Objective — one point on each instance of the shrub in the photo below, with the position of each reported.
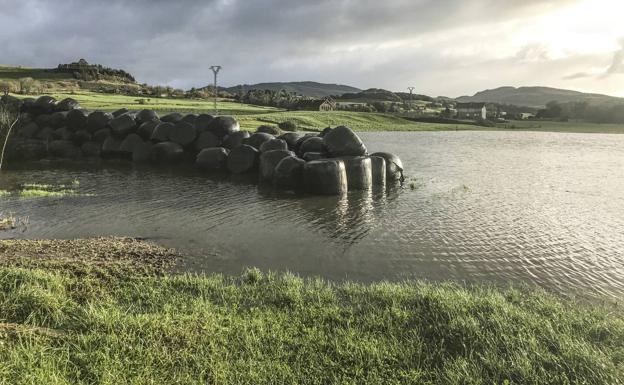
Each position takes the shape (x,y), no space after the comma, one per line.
(288,125)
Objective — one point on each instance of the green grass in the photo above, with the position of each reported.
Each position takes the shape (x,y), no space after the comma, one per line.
(79,321)
(14,73)
(38,190)
(358,121)
(251,117)
(112,102)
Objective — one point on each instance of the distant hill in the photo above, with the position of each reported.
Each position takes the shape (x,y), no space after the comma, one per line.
(371,95)
(312,89)
(537,96)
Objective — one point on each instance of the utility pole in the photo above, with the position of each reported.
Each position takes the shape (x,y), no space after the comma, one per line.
(215,71)
(411,90)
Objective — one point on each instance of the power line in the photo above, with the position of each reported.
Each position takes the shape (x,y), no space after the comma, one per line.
(215,71)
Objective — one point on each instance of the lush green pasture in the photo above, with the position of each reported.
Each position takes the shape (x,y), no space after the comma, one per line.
(358,121)
(75,313)
(112,102)
(251,116)
(14,73)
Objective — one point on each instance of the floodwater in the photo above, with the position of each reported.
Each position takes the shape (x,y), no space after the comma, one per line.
(542,209)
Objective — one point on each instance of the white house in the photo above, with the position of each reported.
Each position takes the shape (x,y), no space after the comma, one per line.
(471,111)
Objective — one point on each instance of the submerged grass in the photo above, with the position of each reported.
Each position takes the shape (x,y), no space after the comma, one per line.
(68,314)
(37,190)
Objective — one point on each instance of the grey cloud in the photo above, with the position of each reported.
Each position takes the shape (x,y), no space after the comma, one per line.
(578,75)
(617,64)
(174,42)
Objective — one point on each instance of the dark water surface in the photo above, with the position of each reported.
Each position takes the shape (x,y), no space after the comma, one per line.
(498,207)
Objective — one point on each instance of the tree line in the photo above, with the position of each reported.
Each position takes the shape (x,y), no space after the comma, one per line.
(582,110)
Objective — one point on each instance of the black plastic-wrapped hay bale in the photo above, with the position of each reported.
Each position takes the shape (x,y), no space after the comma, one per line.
(288,174)
(147,129)
(46,133)
(77,120)
(202,122)
(183,133)
(167,152)
(325,177)
(235,139)
(256,139)
(394,166)
(300,142)
(101,135)
(91,149)
(342,141)
(142,153)
(98,120)
(223,126)
(120,112)
(173,117)
(359,172)
(270,159)
(325,131)
(28,105)
(67,104)
(161,132)
(58,120)
(62,134)
(242,159)
(81,136)
(378,169)
(129,143)
(189,118)
(110,147)
(268,130)
(29,130)
(44,105)
(206,140)
(312,144)
(215,158)
(273,144)
(291,139)
(122,126)
(63,149)
(44,120)
(310,156)
(145,116)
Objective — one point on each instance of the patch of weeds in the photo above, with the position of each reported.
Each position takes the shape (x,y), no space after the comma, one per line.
(11,222)
(36,190)
(414,183)
(4,193)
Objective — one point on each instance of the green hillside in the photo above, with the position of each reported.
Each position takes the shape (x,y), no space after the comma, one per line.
(537,97)
(41,74)
(312,89)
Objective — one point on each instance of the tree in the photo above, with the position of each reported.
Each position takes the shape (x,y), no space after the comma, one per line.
(27,85)
(9,86)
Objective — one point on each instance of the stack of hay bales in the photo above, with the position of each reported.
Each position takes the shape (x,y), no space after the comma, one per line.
(333,162)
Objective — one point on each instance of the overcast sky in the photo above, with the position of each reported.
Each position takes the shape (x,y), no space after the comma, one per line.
(442,47)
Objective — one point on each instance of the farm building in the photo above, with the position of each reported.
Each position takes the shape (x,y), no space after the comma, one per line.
(471,111)
(328,105)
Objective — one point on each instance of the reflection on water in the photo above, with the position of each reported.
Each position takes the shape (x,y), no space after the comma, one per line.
(501,207)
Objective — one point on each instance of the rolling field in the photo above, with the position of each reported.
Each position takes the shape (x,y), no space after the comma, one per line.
(252,116)
(14,73)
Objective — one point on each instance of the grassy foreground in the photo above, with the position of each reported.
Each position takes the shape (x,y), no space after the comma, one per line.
(104,311)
